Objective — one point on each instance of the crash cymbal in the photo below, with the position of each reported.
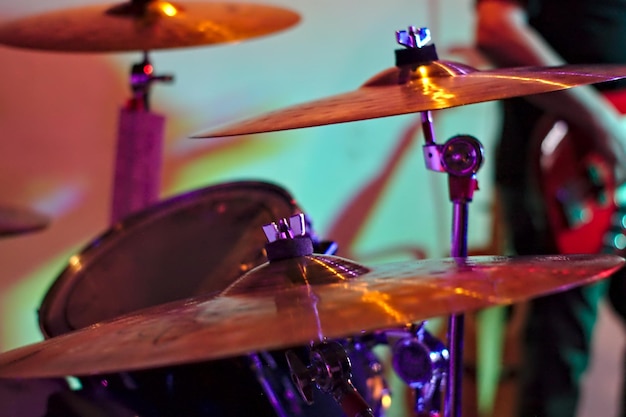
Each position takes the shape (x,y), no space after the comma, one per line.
(145,25)
(15,221)
(299,300)
(433,86)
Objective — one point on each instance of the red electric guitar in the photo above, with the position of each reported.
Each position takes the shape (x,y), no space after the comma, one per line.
(578,188)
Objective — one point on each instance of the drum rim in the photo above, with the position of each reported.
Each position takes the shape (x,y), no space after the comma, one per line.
(61,285)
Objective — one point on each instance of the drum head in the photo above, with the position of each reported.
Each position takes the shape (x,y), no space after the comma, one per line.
(192,244)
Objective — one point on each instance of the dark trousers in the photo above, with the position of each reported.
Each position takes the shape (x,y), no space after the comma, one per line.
(559,327)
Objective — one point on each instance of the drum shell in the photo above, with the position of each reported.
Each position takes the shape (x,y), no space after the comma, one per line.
(192,244)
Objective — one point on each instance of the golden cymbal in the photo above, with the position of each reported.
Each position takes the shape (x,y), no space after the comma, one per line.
(145,25)
(433,86)
(299,300)
(16,221)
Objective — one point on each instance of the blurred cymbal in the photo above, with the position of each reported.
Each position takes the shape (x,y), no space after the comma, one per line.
(15,221)
(271,307)
(145,25)
(434,86)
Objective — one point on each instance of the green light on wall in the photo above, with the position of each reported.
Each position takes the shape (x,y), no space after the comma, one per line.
(19,304)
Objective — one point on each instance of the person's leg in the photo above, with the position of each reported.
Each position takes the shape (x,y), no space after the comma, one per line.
(617,300)
(557,337)
(557,348)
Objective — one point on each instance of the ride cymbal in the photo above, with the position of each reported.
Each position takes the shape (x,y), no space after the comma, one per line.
(432,86)
(16,221)
(145,25)
(300,300)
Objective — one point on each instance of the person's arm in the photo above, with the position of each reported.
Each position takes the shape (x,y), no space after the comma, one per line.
(504,36)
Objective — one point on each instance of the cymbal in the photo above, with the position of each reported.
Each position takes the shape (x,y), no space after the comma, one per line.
(433,86)
(15,221)
(296,301)
(145,25)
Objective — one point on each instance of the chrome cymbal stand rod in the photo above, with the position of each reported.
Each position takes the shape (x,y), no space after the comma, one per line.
(458,248)
(460,157)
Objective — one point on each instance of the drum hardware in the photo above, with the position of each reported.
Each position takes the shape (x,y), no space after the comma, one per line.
(460,157)
(259,362)
(330,368)
(330,372)
(422,362)
(367,367)
(418,358)
(287,238)
(141,79)
(301,241)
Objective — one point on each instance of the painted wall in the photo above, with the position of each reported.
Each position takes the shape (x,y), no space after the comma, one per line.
(58,126)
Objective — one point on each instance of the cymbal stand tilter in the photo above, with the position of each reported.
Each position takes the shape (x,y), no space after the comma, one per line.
(418,358)
(330,371)
(139,150)
(330,368)
(421,361)
(460,157)
(281,244)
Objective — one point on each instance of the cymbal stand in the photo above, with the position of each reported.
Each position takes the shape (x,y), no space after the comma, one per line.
(421,361)
(418,358)
(139,151)
(460,157)
(330,371)
(330,368)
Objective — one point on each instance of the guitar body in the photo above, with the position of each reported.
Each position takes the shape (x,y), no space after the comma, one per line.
(578,189)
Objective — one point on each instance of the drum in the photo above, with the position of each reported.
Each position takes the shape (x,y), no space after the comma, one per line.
(192,244)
